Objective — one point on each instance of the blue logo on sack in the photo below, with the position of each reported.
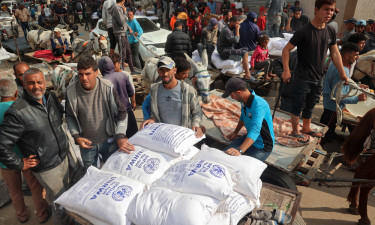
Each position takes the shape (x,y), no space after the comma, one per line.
(151,165)
(121,193)
(217,171)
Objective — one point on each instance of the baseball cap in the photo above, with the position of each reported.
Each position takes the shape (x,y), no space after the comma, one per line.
(370,21)
(233,84)
(351,20)
(361,23)
(166,62)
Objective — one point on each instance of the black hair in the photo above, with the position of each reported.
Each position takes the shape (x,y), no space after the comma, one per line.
(262,39)
(349,47)
(118,1)
(298,9)
(320,3)
(178,24)
(356,37)
(182,64)
(87,62)
(234,19)
(225,13)
(115,58)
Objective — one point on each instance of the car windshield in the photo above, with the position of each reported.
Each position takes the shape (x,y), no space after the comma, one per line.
(147,25)
(4,14)
(7,4)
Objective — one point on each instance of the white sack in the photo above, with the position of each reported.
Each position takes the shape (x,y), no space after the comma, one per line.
(238,206)
(220,219)
(245,170)
(160,206)
(199,177)
(142,165)
(236,70)
(101,197)
(168,138)
(195,57)
(223,64)
(287,36)
(190,153)
(279,44)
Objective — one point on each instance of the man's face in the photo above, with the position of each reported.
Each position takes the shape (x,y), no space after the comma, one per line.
(87,78)
(130,15)
(59,5)
(236,95)
(182,75)
(20,70)
(360,28)
(353,56)
(229,15)
(349,26)
(233,24)
(325,13)
(298,14)
(361,45)
(166,75)
(35,85)
(57,34)
(368,27)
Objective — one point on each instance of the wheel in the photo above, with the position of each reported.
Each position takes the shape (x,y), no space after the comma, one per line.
(298,220)
(279,178)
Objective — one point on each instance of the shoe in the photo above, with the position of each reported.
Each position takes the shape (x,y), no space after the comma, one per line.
(26,218)
(49,213)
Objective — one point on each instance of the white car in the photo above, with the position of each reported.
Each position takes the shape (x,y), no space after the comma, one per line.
(153,36)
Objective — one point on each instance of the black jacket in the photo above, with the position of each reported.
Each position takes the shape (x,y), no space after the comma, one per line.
(35,131)
(178,43)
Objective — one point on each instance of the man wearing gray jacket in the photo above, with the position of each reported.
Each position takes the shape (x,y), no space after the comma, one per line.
(120,29)
(107,20)
(95,115)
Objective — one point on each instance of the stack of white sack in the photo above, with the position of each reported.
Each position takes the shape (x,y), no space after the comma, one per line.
(227,66)
(144,165)
(277,44)
(167,138)
(101,197)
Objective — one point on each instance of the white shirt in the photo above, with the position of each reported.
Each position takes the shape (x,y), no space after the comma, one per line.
(238,5)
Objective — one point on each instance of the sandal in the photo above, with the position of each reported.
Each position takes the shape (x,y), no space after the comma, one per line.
(261,215)
(314,134)
(251,80)
(300,138)
(262,222)
(281,217)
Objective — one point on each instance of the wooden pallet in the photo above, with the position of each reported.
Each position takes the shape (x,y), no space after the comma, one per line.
(139,85)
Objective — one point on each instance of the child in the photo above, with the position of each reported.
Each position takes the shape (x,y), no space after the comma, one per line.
(196,31)
(260,59)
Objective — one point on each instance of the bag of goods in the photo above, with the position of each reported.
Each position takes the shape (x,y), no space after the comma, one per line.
(245,170)
(168,138)
(161,206)
(142,165)
(237,206)
(199,177)
(220,219)
(101,197)
(190,153)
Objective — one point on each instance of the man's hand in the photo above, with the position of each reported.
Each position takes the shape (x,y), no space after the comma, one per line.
(136,34)
(238,27)
(29,162)
(83,142)
(363,86)
(232,136)
(233,152)
(147,122)
(125,146)
(286,76)
(344,78)
(198,131)
(362,97)
(134,105)
(130,30)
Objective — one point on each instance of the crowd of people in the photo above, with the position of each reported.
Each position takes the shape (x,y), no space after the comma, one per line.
(99,110)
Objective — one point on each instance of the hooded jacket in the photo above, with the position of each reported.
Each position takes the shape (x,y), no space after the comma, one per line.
(178,43)
(107,18)
(249,33)
(119,80)
(119,18)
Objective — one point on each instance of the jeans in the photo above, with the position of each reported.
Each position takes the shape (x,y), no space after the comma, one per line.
(56,182)
(90,155)
(25,26)
(273,26)
(266,64)
(254,152)
(124,51)
(135,54)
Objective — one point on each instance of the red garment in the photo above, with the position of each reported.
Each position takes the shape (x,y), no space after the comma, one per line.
(261,22)
(173,20)
(190,23)
(259,55)
(46,54)
(235,12)
(197,28)
(207,10)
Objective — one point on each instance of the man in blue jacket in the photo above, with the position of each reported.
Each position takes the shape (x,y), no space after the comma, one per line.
(256,117)
(249,33)
(134,44)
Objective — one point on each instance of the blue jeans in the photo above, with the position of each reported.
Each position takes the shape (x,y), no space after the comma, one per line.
(259,154)
(90,155)
(25,26)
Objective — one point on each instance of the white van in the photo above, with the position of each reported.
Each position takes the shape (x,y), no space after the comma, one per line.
(10,3)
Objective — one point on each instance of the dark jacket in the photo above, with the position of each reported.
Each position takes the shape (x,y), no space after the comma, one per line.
(178,43)
(249,33)
(35,131)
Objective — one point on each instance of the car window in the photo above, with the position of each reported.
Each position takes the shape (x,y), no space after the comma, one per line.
(7,4)
(102,26)
(147,25)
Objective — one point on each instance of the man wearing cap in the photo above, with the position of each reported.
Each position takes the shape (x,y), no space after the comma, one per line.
(369,25)
(59,45)
(349,30)
(209,40)
(257,119)
(361,29)
(174,101)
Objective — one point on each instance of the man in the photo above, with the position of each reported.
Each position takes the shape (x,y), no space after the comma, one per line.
(212,5)
(23,17)
(95,115)
(34,123)
(249,33)
(224,21)
(134,44)
(361,29)
(208,40)
(312,41)
(275,9)
(13,178)
(107,20)
(297,21)
(120,28)
(369,25)
(349,54)
(60,13)
(229,36)
(178,42)
(139,11)
(256,117)
(364,45)
(59,45)
(349,30)
(19,69)
(284,20)
(174,101)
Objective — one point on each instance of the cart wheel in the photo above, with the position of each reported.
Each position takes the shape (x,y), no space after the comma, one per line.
(279,178)
(298,220)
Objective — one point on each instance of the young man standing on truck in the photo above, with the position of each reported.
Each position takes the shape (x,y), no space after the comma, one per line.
(312,41)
